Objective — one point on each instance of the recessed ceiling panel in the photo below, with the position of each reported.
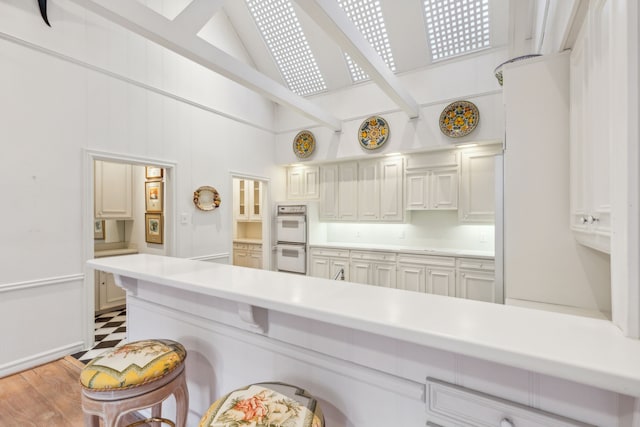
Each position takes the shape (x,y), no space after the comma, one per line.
(285,39)
(455,27)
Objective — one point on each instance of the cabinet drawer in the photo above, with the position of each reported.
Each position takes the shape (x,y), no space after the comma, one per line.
(336,253)
(468,407)
(240,246)
(477,264)
(441,261)
(254,247)
(374,256)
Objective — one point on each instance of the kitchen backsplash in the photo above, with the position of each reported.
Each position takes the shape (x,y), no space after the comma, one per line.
(428,229)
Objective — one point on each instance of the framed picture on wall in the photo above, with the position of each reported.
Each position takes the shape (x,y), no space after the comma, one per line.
(153,228)
(98,229)
(153,172)
(153,192)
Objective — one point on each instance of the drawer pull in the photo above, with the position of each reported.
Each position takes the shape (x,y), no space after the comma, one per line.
(506,422)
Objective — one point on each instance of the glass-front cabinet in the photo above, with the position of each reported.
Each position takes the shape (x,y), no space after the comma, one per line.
(248,200)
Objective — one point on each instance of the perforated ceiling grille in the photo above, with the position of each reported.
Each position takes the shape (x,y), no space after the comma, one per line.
(366,15)
(456,26)
(283,34)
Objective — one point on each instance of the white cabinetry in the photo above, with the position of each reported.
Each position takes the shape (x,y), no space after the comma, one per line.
(476,280)
(430,274)
(380,190)
(478,185)
(247,254)
(113,190)
(338,190)
(432,181)
(329,263)
(373,268)
(248,200)
(107,294)
(303,183)
(590,135)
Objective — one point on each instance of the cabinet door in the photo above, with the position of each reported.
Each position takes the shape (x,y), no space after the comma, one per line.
(255,200)
(311,182)
(241,196)
(477,188)
(303,183)
(411,278)
(476,285)
(110,294)
(295,183)
(360,272)
(320,267)
(441,281)
(368,190)
(113,191)
(384,275)
(329,192)
(241,258)
(339,264)
(391,197)
(444,189)
(347,189)
(416,186)
(254,259)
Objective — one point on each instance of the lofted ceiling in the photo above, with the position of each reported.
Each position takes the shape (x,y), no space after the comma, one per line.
(520,26)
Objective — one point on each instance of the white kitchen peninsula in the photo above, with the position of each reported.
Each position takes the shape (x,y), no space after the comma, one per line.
(366,352)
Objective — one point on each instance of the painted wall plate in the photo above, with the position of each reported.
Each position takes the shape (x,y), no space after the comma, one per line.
(303,144)
(373,133)
(459,118)
(206,198)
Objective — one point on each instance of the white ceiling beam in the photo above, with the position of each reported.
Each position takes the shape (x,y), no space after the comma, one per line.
(143,21)
(197,14)
(334,21)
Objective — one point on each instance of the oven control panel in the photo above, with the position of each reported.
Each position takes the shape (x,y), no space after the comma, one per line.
(292,210)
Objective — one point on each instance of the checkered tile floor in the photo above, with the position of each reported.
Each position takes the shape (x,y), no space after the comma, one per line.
(111,330)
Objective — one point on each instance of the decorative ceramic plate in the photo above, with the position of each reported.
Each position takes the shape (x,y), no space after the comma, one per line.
(206,198)
(373,133)
(303,144)
(459,119)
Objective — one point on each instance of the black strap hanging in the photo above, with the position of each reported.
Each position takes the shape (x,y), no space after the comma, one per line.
(43,10)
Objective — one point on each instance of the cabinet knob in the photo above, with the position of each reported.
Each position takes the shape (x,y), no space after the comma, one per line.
(506,422)
(591,219)
(583,220)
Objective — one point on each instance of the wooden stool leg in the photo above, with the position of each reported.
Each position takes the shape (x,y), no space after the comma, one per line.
(156,412)
(91,420)
(181,395)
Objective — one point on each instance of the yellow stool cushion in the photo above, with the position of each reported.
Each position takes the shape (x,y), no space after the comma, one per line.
(133,364)
(265,404)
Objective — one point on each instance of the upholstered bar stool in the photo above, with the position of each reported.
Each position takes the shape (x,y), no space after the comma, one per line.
(269,404)
(135,376)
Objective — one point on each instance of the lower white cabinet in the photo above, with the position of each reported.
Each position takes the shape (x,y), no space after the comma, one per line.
(373,268)
(107,294)
(459,406)
(476,280)
(329,263)
(247,255)
(430,274)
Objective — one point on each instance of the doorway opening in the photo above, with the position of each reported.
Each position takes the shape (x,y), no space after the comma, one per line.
(251,222)
(129,207)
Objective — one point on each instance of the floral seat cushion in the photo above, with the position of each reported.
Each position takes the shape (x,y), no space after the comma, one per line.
(265,404)
(133,364)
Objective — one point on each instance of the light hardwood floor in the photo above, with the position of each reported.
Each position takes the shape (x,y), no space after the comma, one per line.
(48,395)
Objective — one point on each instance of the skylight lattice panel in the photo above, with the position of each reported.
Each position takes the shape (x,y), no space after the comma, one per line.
(455,27)
(284,37)
(367,16)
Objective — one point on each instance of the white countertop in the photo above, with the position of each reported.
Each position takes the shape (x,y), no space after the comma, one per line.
(407,249)
(114,252)
(585,350)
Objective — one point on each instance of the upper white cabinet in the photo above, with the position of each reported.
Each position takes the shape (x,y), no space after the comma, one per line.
(248,200)
(380,190)
(478,185)
(591,110)
(432,181)
(338,191)
(113,190)
(303,183)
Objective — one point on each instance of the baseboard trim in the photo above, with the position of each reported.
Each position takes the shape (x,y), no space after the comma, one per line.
(40,358)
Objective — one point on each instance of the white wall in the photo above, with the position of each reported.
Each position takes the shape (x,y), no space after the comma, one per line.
(88,84)
(543,261)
